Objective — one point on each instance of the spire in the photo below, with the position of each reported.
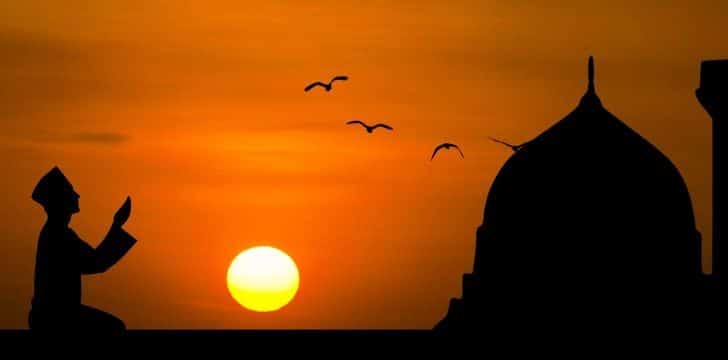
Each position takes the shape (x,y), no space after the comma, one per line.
(591,75)
(590,97)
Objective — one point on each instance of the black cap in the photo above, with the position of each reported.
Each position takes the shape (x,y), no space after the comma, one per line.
(50,185)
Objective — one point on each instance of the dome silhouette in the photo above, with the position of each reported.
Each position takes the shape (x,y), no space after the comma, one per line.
(586,214)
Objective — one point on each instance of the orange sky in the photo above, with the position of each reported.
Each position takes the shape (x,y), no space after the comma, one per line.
(196,109)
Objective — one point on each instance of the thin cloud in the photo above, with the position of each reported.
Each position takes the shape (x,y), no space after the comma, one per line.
(110,138)
(99,138)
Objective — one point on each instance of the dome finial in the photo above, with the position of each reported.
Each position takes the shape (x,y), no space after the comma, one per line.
(591,75)
(590,97)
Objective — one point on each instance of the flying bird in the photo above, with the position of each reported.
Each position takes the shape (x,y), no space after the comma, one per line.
(446,146)
(370,129)
(514,147)
(326,86)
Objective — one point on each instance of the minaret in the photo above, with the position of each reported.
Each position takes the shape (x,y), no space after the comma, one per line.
(713,95)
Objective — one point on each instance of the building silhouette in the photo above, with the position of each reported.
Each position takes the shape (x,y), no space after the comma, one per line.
(586,222)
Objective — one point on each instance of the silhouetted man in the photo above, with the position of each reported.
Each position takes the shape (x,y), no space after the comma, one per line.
(62,257)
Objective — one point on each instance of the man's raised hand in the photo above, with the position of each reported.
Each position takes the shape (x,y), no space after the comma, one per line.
(122,215)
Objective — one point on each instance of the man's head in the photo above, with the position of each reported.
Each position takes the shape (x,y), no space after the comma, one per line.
(55,193)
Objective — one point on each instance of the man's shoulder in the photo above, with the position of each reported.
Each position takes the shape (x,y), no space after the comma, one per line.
(51,231)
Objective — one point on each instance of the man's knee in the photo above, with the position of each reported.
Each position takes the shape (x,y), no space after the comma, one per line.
(116,324)
(94,319)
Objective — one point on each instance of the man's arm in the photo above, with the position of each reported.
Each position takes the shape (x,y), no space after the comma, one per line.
(114,246)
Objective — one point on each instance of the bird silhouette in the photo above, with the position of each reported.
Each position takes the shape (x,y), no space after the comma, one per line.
(326,86)
(369,129)
(514,147)
(446,146)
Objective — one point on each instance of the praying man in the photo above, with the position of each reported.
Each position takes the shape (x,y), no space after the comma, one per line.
(62,257)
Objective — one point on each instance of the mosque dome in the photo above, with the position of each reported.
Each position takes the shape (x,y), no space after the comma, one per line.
(587,207)
(590,195)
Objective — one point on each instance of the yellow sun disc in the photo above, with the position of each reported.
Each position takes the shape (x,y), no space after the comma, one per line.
(263,279)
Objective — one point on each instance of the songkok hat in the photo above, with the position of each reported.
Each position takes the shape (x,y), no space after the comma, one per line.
(50,185)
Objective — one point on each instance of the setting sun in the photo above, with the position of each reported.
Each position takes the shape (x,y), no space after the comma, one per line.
(263,279)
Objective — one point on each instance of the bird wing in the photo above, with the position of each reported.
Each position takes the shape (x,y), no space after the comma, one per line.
(357,122)
(460,151)
(382,126)
(340,77)
(514,147)
(437,149)
(499,141)
(311,86)
(503,142)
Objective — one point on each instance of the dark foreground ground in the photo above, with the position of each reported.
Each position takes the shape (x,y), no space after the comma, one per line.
(250,337)
(366,344)
(339,343)
(310,335)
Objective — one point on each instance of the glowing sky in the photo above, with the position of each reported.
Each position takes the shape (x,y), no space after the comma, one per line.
(196,109)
